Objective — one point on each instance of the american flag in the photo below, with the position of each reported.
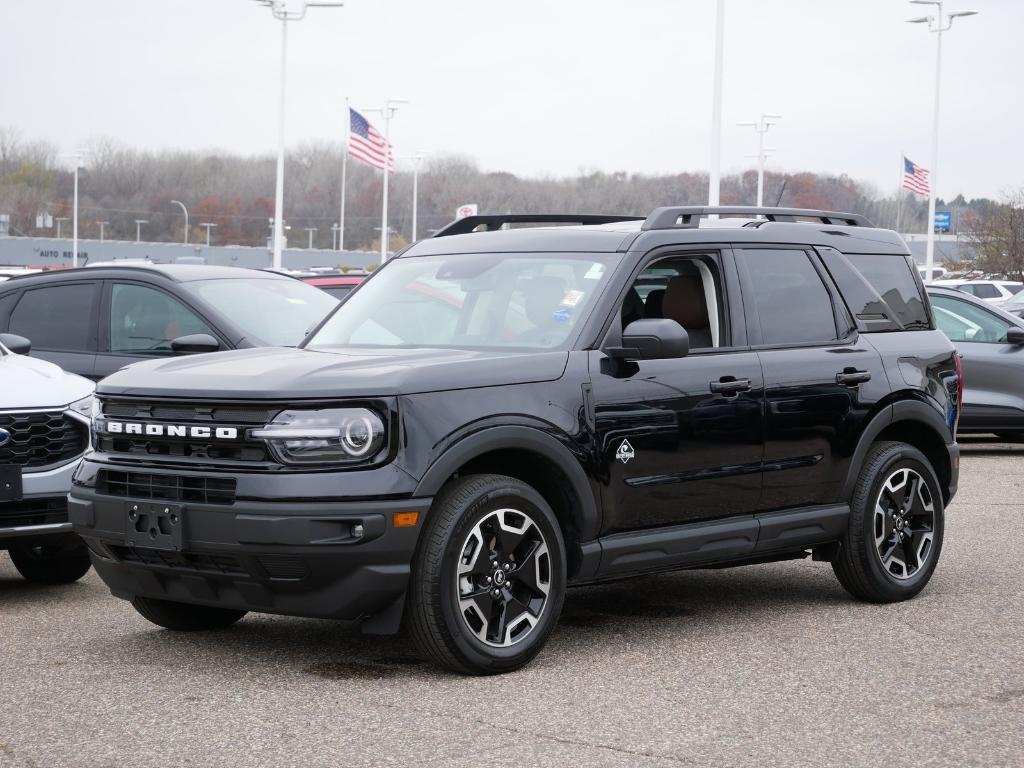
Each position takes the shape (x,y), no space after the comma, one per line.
(915,178)
(365,143)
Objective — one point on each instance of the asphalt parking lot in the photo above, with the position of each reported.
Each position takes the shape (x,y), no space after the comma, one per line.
(769,665)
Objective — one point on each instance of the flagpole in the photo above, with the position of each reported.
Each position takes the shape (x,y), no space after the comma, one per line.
(899,191)
(384,205)
(344,173)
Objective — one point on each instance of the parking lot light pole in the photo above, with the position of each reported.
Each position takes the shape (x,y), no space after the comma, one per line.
(102,224)
(59,219)
(138,229)
(77,157)
(416,160)
(715,167)
(761,127)
(939,23)
(185,211)
(208,226)
(311,231)
(390,107)
(284,12)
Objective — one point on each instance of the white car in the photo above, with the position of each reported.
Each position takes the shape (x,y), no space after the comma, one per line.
(992,291)
(44,431)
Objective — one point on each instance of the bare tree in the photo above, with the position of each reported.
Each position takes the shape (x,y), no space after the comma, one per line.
(997,235)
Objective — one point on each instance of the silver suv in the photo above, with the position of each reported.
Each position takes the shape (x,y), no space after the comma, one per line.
(44,431)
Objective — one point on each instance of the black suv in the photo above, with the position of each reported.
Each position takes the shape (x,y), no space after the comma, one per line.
(494,416)
(96,320)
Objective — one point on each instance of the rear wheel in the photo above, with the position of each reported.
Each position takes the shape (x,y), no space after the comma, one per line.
(488,580)
(183,617)
(896,525)
(52,563)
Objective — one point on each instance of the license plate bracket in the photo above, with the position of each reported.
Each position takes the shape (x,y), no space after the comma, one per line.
(10,482)
(154,526)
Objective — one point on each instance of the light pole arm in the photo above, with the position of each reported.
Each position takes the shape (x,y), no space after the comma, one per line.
(185,211)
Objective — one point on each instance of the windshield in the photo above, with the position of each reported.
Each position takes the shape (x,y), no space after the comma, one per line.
(271,312)
(483,300)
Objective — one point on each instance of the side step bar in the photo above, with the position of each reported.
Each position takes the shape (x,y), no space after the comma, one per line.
(735,538)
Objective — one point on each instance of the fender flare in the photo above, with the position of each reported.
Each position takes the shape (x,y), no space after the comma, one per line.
(901,410)
(520,438)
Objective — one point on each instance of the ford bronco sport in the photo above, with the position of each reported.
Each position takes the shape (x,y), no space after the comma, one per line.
(494,416)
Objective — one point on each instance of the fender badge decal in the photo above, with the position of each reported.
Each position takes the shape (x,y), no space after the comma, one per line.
(625,452)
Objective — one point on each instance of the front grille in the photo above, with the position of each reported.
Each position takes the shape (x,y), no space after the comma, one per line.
(42,439)
(147,448)
(142,485)
(185,561)
(14,514)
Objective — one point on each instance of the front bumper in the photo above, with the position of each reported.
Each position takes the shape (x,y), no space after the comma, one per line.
(298,557)
(42,510)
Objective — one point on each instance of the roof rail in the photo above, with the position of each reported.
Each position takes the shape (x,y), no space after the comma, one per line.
(498,220)
(688,217)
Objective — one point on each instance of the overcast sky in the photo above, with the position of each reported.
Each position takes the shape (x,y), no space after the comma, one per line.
(535,87)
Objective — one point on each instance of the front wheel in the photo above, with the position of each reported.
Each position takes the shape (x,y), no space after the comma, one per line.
(183,617)
(488,579)
(897,520)
(60,562)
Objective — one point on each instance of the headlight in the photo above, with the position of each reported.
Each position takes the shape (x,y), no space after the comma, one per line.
(330,436)
(83,407)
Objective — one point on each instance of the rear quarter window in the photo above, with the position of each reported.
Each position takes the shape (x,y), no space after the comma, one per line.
(895,279)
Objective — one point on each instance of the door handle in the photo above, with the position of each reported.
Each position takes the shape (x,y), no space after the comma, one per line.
(852,377)
(727,385)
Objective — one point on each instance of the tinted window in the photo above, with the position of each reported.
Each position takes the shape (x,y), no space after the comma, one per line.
(963,321)
(1014,288)
(6,303)
(337,291)
(894,280)
(790,297)
(144,320)
(983,290)
(57,318)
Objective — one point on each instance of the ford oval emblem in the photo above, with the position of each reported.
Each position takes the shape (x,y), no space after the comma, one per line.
(5,437)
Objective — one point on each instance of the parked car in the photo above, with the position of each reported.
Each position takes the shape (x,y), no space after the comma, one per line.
(497,415)
(992,291)
(44,430)
(96,320)
(991,342)
(338,285)
(1015,305)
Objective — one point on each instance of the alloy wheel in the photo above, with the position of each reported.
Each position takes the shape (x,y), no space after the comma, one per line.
(503,577)
(904,523)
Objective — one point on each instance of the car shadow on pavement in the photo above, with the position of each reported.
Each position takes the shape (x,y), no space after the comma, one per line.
(677,604)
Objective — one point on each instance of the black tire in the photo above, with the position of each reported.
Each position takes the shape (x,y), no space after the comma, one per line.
(859,564)
(182,617)
(1011,437)
(469,508)
(60,562)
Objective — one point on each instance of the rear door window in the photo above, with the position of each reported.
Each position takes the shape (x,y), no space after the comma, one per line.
(983,290)
(893,277)
(57,318)
(792,302)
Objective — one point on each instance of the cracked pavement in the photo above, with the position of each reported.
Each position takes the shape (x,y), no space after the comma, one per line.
(768,664)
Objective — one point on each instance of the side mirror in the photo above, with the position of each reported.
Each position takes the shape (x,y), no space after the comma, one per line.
(19,345)
(652,339)
(194,344)
(1015,335)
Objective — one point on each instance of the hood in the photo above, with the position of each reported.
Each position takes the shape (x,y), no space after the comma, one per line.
(276,373)
(28,382)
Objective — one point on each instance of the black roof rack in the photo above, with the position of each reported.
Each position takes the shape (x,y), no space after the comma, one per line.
(498,220)
(688,217)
